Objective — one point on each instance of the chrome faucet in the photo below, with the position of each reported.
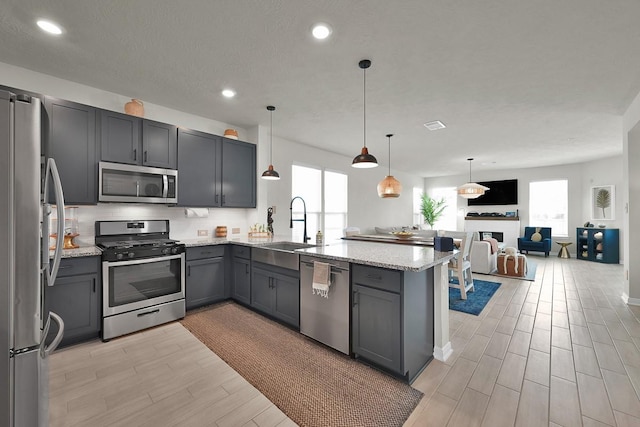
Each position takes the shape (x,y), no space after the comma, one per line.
(304,218)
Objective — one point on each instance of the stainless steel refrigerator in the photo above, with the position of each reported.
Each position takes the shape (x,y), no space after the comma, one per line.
(25,266)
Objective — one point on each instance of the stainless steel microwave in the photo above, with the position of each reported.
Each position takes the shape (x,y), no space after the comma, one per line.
(139,184)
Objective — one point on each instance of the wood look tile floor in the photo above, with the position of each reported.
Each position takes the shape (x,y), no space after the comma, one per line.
(559,351)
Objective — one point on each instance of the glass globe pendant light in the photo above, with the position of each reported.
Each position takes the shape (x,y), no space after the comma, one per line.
(389,186)
(364,159)
(271,173)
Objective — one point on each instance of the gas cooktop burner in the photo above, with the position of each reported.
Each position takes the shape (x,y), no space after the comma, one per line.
(124,244)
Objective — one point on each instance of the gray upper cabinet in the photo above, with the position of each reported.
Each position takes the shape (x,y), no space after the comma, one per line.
(238,174)
(69,137)
(198,173)
(215,171)
(132,140)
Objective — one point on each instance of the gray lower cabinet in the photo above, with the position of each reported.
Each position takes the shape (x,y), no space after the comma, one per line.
(392,318)
(133,140)
(69,137)
(76,297)
(241,290)
(204,282)
(276,294)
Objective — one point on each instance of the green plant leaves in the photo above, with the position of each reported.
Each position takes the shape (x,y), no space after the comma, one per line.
(431,208)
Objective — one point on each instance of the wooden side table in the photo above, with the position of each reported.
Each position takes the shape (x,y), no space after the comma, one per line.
(564,252)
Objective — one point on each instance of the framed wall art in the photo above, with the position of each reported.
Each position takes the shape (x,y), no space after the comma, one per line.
(603,202)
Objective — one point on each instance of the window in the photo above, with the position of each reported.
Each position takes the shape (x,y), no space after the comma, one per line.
(548,206)
(449,219)
(325,194)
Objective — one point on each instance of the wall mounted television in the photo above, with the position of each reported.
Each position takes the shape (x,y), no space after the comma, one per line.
(503,192)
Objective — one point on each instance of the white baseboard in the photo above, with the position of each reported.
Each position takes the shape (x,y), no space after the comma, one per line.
(630,301)
(442,353)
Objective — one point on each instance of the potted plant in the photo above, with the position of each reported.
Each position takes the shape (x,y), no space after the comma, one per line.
(431,209)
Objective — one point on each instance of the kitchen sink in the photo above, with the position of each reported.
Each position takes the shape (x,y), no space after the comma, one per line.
(288,246)
(280,254)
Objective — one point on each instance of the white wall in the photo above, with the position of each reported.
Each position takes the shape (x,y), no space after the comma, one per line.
(631,194)
(366,210)
(581,177)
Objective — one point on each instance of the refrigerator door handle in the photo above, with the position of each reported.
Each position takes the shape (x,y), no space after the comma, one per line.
(53,171)
(46,350)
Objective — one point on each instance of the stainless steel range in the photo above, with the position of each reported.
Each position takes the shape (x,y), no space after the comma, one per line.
(143,274)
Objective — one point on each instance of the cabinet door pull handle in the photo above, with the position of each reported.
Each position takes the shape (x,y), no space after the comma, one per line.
(355,298)
(189,270)
(205,252)
(223,197)
(62,267)
(94,285)
(374,277)
(145,156)
(246,268)
(216,199)
(135,154)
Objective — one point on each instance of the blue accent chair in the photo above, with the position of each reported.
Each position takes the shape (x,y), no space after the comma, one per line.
(525,244)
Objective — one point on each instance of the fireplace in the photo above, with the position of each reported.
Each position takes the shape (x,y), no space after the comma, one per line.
(498,235)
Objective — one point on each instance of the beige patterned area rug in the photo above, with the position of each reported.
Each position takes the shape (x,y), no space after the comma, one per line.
(313,385)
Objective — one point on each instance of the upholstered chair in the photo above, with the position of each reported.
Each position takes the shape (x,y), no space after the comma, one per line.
(536,239)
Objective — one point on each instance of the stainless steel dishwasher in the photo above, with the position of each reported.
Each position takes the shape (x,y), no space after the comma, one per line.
(325,319)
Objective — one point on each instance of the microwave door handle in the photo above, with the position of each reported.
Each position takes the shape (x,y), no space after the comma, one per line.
(57,189)
(165,186)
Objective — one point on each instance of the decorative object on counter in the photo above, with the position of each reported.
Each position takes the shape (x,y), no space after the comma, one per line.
(603,202)
(588,224)
(260,350)
(270,219)
(271,173)
(389,186)
(364,159)
(231,133)
(319,238)
(135,107)
(471,190)
(602,226)
(221,231)
(70,228)
(476,301)
(443,244)
(431,209)
(403,234)
(259,231)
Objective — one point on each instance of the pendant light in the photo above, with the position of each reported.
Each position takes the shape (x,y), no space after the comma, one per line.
(471,190)
(364,159)
(389,186)
(270,173)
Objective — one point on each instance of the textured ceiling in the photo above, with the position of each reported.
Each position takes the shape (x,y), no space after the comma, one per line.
(518,83)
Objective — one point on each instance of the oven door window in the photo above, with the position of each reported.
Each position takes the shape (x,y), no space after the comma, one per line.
(134,184)
(138,282)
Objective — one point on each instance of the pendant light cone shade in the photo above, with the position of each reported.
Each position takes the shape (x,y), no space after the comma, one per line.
(364,159)
(471,190)
(271,173)
(389,186)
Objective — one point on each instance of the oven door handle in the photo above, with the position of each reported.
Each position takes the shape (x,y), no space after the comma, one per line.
(143,260)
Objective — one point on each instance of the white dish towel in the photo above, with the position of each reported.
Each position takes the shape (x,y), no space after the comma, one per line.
(321,279)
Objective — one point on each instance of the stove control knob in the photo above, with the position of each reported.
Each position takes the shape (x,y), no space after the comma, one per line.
(166,251)
(119,256)
(131,254)
(175,249)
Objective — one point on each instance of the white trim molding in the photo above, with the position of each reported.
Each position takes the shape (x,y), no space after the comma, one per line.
(442,353)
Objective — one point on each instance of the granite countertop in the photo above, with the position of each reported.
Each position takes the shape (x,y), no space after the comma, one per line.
(395,257)
(238,240)
(79,252)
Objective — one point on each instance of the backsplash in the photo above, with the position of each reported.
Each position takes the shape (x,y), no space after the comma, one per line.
(181,226)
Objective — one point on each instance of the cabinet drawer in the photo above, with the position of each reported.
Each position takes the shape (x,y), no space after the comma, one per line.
(81,265)
(205,252)
(242,251)
(374,277)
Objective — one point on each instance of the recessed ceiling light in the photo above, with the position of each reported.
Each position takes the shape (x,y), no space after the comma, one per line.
(321,31)
(435,125)
(49,27)
(228,93)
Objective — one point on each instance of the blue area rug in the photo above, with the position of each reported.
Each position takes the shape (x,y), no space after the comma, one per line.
(476,300)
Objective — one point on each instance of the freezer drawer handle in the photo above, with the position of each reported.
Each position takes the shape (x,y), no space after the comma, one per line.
(157,310)
(45,351)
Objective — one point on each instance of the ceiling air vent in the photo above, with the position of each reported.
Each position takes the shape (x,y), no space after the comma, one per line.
(435,125)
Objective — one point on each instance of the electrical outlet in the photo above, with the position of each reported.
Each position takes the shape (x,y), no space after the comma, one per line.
(203,233)
(235,230)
